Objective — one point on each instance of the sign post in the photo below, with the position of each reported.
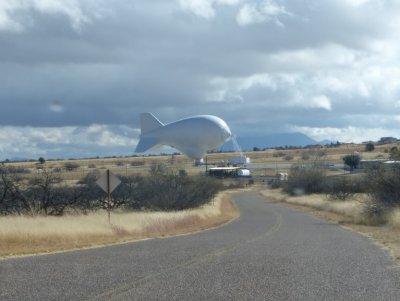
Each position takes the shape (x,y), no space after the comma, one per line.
(108,182)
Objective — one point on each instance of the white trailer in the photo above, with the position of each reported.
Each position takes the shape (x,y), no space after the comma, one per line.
(243,172)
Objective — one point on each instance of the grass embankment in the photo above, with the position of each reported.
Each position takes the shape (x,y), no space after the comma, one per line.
(21,235)
(349,213)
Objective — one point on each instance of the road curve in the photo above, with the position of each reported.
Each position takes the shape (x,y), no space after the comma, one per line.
(269,253)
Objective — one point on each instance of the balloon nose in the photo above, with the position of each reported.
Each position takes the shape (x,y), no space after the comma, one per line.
(227,132)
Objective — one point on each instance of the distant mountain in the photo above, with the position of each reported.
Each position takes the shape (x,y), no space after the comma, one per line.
(270,141)
(326,141)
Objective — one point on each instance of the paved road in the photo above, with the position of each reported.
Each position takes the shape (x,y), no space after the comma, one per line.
(270,253)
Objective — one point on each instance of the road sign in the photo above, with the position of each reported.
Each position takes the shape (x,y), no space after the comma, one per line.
(108,181)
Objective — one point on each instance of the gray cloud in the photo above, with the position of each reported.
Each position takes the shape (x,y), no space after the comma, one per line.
(263,66)
(71,141)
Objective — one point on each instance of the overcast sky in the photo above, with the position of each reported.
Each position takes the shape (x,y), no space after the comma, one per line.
(74,75)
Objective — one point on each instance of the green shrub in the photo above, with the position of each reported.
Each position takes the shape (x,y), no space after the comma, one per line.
(173,192)
(383,182)
(343,187)
(44,194)
(288,157)
(394,153)
(352,160)
(305,181)
(277,154)
(369,147)
(70,166)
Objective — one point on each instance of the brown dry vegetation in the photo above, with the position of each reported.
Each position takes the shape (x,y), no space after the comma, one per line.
(140,165)
(349,214)
(22,242)
(21,235)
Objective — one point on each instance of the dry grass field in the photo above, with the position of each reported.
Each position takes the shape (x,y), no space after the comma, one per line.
(140,165)
(346,213)
(127,166)
(23,235)
(20,235)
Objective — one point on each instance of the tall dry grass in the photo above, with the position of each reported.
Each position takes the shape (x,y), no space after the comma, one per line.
(27,235)
(394,218)
(353,208)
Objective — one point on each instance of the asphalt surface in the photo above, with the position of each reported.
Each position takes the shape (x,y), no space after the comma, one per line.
(269,253)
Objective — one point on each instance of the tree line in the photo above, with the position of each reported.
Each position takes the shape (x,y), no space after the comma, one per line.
(45,193)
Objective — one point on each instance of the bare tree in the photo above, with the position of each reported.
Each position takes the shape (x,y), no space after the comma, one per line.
(42,190)
(11,197)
